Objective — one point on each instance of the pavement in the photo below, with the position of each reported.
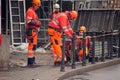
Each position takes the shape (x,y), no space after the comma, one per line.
(46,70)
(107,73)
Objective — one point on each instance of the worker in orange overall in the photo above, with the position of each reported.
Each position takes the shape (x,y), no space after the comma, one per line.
(32,28)
(79,44)
(52,15)
(60,23)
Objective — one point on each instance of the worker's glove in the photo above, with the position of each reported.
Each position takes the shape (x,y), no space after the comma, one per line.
(38,23)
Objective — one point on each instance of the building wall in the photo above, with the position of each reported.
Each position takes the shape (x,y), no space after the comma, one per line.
(98,20)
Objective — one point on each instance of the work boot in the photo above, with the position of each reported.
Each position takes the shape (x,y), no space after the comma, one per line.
(33,65)
(57,63)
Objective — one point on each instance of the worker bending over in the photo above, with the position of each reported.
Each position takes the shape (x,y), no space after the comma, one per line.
(59,24)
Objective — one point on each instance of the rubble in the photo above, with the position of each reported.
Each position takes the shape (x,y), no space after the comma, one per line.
(18,56)
(17,63)
(23,48)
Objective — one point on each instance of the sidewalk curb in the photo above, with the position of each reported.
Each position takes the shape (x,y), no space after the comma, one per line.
(80,70)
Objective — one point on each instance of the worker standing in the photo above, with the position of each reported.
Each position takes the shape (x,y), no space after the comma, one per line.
(54,13)
(32,28)
(79,43)
(60,23)
(56,10)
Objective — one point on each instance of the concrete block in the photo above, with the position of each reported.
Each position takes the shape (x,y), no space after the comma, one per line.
(4,52)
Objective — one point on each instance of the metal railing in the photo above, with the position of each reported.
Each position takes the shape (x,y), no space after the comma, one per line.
(105,45)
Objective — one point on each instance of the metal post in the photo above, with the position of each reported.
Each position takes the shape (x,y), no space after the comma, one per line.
(119,46)
(61,5)
(73,52)
(62,68)
(111,46)
(7,10)
(93,49)
(50,8)
(72,4)
(84,50)
(103,54)
(108,46)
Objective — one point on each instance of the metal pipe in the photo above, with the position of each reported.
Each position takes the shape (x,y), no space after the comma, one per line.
(7,10)
(93,49)
(73,52)
(62,68)
(61,4)
(103,54)
(108,46)
(111,46)
(119,45)
(84,50)
(72,4)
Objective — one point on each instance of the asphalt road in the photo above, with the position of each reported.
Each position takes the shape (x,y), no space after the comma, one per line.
(109,73)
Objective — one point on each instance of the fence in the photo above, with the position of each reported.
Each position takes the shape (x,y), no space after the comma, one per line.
(105,45)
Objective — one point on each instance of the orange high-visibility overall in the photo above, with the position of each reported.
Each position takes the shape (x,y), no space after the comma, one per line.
(79,45)
(58,24)
(32,34)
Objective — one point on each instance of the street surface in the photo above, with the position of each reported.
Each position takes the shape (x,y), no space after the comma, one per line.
(46,70)
(109,73)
